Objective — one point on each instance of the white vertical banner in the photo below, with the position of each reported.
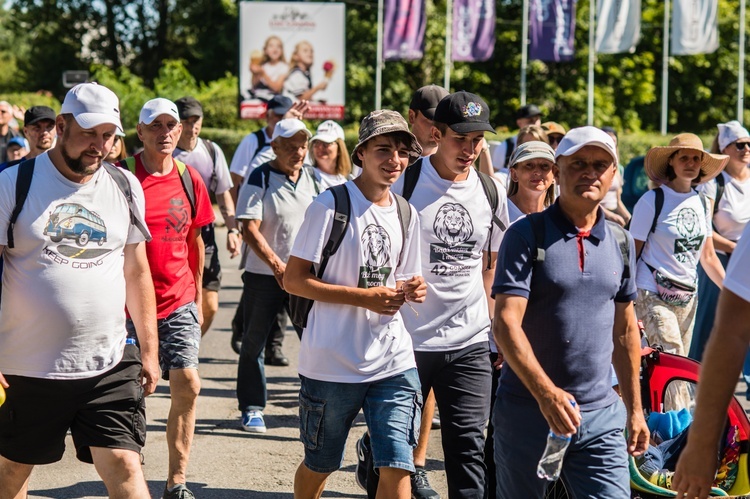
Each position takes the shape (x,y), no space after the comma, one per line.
(618,26)
(695,27)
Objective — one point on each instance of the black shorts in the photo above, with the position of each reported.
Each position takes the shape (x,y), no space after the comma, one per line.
(211,265)
(105,411)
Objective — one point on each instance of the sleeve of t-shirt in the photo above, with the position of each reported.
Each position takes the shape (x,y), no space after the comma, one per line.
(204,212)
(709,216)
(250,198)
(708,189)
(502,213)
(7,201)
(243,154)
(139,211)
(411,265)
(514,261)
(223,179)
(643,216)
(310,240)
(738,278)
(498,155)
(628,290)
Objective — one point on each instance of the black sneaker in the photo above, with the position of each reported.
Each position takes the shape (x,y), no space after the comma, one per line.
(275,357)
(179,492)
(364,456)
(420,486)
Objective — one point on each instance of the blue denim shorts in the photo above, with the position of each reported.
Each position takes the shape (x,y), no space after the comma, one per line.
(392,409)
(179,339)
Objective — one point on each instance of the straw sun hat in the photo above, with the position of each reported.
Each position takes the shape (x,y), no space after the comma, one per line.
(657,158)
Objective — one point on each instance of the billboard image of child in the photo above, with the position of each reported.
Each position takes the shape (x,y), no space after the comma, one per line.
(269,69)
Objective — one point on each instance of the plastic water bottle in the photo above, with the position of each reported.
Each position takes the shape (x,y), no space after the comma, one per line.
(550,465)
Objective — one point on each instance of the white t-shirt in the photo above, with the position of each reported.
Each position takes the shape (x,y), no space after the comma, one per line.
(326,180)
(513,212)
(498,152)
(273,71)
(63,305)
(215,176)
(455,219)
(297,83)
(243,160)
(734,205)
(674,248)
(738,277)
(348,344)
(280,208)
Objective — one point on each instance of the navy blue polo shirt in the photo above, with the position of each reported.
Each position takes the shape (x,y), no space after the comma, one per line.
(570,312)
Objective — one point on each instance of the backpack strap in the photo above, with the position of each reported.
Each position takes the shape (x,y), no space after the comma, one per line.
(622,242)
(537,228)
(124,185)
(509,147)
(411,175)
(658,205)
(490,191)
(212,153)
(260,136)
(23,184)
(403,208)
(720,185)
(187,185)
(342,212)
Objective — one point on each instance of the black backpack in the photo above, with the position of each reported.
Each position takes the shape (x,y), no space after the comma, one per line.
(23,184)
(411,176)
(300,307)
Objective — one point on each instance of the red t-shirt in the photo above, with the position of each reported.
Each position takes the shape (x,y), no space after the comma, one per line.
(168,218)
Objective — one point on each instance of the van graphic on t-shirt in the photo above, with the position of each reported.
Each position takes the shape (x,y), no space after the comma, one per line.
(688,226)
(453,226)
(73,221)
(376,252)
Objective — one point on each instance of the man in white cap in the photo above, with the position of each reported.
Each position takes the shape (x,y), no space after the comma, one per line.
(177,207)
(564,291)
(271,206)
(75,258)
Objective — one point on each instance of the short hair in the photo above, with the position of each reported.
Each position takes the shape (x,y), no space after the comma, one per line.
(441,126)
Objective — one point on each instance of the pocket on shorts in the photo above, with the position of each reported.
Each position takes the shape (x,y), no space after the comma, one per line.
(311,421)
(416,419)
(139,419)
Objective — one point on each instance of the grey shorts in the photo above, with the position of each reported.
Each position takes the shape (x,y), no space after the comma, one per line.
(179,339)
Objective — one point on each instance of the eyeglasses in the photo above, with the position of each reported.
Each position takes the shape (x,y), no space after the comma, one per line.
(741,146)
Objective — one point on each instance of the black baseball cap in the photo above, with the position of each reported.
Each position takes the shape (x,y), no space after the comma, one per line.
(426,99)
(188,107)
(464,112)
(280,104)
(527,111)
(38,113)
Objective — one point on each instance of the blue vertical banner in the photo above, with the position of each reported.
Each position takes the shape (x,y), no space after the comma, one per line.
(473,30)
(404,23)
(552,26)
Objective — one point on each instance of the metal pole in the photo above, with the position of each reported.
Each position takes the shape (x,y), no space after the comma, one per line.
(524,49)
(448,44)
(741,77)
(379,56)
(592,59)
(665,70)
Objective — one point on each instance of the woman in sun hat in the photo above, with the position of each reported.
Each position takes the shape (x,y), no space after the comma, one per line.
(730,197)
(329,156)
(672,238)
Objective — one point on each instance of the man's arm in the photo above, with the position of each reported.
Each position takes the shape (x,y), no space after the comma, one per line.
(722,363)
(488,275)
(300,281)
(711,263)
(226,206)
(555,403)
(3,382)
(196,261)
(258,243)
(626,361)
(141,303)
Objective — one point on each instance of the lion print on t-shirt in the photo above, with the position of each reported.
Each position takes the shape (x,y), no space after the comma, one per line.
(454,227)
(376,254)
(689,227)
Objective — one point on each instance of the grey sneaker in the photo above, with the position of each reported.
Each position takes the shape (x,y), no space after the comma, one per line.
(179,492)
(420,486)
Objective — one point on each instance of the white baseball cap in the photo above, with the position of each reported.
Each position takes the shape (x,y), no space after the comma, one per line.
(328,131)
(578,138)
(92,105)
(155,108)
(289,128)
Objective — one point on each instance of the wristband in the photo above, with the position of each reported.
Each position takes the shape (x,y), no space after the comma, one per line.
(234,231)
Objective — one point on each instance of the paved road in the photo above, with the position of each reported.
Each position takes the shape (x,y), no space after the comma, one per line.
(226,462)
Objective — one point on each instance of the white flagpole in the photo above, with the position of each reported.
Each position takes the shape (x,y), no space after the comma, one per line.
(741,77)
(524,49)
(665,70)
(448,44)
(592,59)
(379,56)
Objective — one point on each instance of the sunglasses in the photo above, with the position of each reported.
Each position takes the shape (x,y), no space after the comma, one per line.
(554,139)
(741,146)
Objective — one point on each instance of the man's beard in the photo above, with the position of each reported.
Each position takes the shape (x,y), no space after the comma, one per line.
(76,166)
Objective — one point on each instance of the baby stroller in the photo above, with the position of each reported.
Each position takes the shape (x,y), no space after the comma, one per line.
(662,376)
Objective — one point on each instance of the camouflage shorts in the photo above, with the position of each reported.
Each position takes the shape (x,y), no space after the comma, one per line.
(179,339)
(670,326)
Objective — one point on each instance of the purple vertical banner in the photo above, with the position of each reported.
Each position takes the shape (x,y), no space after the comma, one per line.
(473,30)
(552,26)
(403,29)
